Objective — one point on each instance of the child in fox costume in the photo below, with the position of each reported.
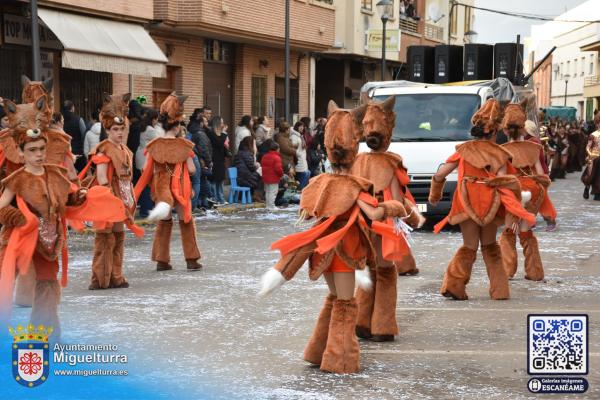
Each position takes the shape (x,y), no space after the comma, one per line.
(114,169)
(169,164)
(485,195)
(525,165)
(377,307)
(35,231)
(337,245)
(58,152)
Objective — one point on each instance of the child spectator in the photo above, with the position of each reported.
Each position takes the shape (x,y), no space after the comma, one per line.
(272,172)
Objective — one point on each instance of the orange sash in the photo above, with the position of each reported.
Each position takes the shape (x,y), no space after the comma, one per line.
(393,245)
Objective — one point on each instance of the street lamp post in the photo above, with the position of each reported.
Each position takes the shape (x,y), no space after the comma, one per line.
(566,78)
(35,42)
(287,62)
(470,36)
(385,9)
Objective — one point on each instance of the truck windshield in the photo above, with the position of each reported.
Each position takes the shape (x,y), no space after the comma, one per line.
(433,116)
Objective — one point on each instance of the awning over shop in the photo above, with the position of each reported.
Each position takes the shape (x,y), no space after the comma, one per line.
(104,45)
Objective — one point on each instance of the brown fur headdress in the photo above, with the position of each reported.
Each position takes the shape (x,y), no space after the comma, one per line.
(172,108)
(378,123)
(32,90)
(27,122)
(114,109)
(488,117)
(514,119)
(342,134)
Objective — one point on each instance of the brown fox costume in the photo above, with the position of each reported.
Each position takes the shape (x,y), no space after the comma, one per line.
(377,307)
(337,245)
(34,232)
(484,196)
(169,163)
(525,165)
(114,169)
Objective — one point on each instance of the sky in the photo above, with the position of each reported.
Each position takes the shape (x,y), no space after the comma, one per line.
(496,28)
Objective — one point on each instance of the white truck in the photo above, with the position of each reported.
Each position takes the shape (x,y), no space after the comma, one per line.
(430,121)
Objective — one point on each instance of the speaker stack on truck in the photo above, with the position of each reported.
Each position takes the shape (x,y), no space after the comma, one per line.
(448,63)
(507,63)
(478,62)
(420,63)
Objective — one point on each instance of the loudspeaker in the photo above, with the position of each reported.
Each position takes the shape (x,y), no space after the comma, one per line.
(506,62)
(448,63)
(420,63)
(479,62)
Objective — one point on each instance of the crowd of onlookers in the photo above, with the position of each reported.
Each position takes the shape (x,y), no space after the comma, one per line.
(272,158)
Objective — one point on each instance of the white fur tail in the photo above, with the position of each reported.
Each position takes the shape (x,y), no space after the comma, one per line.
(525,197)
(363,279)
(270,281)
(422,219)
(160,211)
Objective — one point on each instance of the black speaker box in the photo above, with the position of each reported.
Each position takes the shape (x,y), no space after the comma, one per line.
(478,62)
(420,63)
(448,63)
(506,62)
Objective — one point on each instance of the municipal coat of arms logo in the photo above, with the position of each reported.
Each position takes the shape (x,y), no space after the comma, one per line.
(30,354)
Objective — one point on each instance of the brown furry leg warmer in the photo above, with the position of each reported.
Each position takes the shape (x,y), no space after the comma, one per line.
(383,323)
(190,246)
(407,266)
(102,263)
(25,288)
(493,263)
(161,246)
(508,243)
(534,269)
(45,306)
(117,280)
(313,353)
(365,300)
(458,274)
(341,355)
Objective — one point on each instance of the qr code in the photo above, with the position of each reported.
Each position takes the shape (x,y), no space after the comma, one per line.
(557,344)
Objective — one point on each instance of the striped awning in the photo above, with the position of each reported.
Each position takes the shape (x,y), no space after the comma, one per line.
(98,44)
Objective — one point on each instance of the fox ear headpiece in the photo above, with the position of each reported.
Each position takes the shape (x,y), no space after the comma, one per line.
(342,134)
(172,108)
(27,122)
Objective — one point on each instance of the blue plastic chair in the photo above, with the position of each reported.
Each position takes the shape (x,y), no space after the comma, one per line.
(236,191)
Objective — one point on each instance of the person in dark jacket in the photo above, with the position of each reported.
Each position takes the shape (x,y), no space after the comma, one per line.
(247,168)
(74,126)
(219,154)
(203,149)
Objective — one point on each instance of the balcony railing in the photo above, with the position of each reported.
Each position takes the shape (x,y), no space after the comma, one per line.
(408,25)
(330,2)
(434,32)
(591,80)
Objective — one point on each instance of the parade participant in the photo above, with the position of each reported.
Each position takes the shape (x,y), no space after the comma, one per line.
(377,307)
(337,245)
(35,231)
(169,164)
(114,169)
(591,173)
(526,166)
(483,196)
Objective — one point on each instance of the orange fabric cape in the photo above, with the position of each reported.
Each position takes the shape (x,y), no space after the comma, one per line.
(100,205)
(181,192)
(507,197)
(101,225)
(393,245)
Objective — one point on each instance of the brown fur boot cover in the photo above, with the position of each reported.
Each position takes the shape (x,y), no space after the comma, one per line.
(102,263)
(117,280)
(365,300)
(495,270)
(188,240)
(45,306)
(458,274)
(342,352)
(407,265)
(25,288)
(313,353)
(383,321)
(534,270)
(161,250)
(508,247)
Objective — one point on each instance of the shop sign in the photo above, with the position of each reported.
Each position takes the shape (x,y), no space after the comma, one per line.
(17,30)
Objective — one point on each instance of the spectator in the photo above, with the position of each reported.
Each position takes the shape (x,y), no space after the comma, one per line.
(272,172)
(263,133)
(286,147)
(247,168)
(308,132)
(92,137)
(207,112)
(203,150)
(135,114)
(314,158)
(244,129)
(148,133)
(301,167)
(57,121)
(218,138)
(75,127)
